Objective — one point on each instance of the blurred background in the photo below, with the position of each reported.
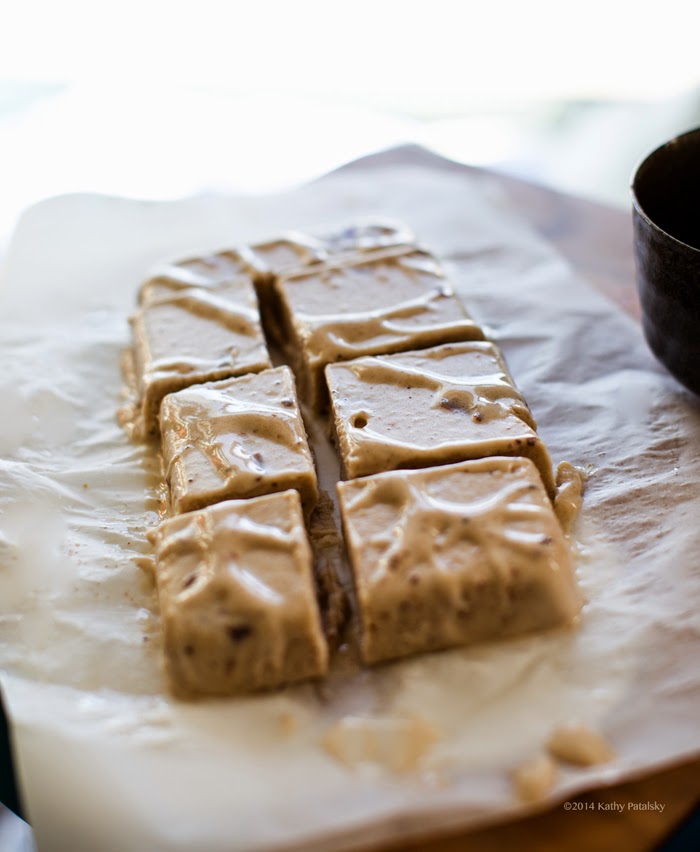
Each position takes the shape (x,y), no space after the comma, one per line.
(158,99)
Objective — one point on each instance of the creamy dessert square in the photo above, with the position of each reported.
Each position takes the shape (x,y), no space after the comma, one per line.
(290,251)
(261,262)
(238,438)
(441,405)
(212,271)
(185,335)
(366,306)
(293,251)
(237,599)
(453,555)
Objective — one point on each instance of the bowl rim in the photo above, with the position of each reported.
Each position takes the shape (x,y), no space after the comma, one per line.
(633,192)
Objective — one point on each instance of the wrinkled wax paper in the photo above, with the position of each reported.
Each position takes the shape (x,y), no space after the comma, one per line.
(109,761)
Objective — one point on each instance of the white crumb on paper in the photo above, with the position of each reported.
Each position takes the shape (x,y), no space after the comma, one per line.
(396,744)
(579,744)
(533,780)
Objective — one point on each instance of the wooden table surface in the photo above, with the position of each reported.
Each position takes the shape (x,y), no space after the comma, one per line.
(597,241)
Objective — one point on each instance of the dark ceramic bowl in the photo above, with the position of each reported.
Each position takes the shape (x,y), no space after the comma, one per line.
(666,199)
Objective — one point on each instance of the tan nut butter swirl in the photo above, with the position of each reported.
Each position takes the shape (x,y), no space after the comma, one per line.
(342,333)
(237,318)
(208,271)
(436,406)
(487,396)
(453,555)
(248,589)
(488,522)
(241,438)
(204,423)
(245,569)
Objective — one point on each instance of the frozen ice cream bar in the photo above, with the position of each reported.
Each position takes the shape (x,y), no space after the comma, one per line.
(263,261)
(237,438)
(295,253)
(437,406)
(292,251)
(183,335)
(237,598)
(370,305)
(213,271)
(454,555)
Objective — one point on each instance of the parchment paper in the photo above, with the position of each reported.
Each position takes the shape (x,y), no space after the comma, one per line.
(108,761)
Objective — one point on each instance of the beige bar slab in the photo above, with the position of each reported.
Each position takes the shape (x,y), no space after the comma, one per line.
(293,251)
(237,599)
(454,555)
(369,305)
(436,406)
(242,437)
(186,332)
(213,271)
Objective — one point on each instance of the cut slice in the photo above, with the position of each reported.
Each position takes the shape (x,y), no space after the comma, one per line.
(453,555)
(238,438)
(184,335)
(293,251)
(370,305)
(237,598)
(442,405)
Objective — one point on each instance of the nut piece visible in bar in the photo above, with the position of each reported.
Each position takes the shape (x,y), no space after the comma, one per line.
(188,331)
(242,437)
(237,600)
(454,555)
(442,405)
(365,306)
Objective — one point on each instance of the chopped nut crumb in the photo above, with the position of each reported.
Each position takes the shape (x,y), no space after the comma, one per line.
(579,744)
(534,779)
